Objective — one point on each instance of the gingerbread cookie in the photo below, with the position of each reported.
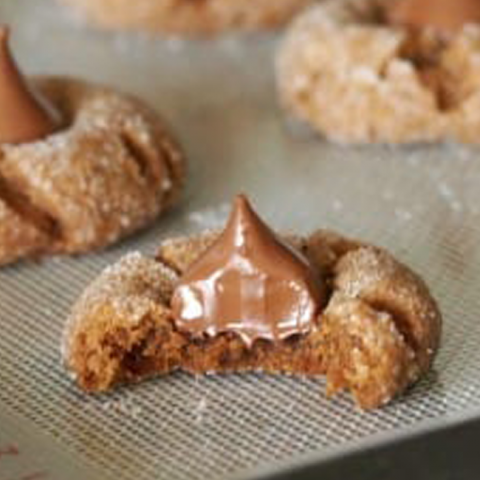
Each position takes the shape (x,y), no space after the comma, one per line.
(245,299)
(189,18)
(398,71)
(81,165)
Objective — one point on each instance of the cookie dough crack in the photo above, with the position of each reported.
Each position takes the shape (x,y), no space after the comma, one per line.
(138,154)
(174,168)
(20,203)
(399,319)
(426,57)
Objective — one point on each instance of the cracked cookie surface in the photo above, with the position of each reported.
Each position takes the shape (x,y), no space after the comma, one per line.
(377,335)
(110,170)
(357,79)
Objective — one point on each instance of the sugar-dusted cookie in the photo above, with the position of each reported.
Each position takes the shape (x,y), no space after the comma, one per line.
(188,17)
(245,299)
(397,71)
(81,165)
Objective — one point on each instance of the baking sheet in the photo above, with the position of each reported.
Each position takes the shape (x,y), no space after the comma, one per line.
(421,202)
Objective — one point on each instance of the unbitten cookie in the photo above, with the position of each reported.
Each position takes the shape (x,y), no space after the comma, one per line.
(110,169)
(356,78)
(187,17)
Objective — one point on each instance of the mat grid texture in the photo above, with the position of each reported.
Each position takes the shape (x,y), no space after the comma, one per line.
(423,203)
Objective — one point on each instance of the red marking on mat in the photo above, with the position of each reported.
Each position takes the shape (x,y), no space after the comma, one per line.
(12,450)
(35,476)
(9,450)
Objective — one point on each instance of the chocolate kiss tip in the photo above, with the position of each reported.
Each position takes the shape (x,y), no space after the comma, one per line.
(242,203)
(241,198)
(25,114)
(243,214)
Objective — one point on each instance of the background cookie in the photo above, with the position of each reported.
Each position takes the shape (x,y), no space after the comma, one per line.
(186,17)
(108,172)
(355,78)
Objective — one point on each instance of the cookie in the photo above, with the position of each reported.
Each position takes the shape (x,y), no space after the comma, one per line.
(189,18)
(107,168)
(375,330)
(357,75)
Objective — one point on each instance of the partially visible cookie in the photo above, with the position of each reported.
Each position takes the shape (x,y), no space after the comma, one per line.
(111,170)
(81,165)
(187,17)
(356,78)
(376,334)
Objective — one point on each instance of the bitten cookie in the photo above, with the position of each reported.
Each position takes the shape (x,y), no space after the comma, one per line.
(245,299)
(190,18)
(359,71)
(99,168)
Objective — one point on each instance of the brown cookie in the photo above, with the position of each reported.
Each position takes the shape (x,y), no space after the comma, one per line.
(187,17)
(357,78)
(110,169)
(377,334)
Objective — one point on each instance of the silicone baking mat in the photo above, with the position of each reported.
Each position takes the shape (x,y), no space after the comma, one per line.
(422,202)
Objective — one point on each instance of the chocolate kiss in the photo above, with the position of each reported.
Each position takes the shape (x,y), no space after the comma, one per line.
(248,282)
(24,115)
(447,16)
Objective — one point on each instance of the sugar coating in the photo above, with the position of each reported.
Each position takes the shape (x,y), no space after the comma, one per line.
(181,17)
(353,77)
(377,334)
(109,170)
(132,287)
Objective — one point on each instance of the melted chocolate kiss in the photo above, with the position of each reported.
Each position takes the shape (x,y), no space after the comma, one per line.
(249,282)
(24,115)
(447,16)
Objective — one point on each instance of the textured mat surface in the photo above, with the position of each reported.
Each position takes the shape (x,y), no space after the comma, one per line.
(421,202)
